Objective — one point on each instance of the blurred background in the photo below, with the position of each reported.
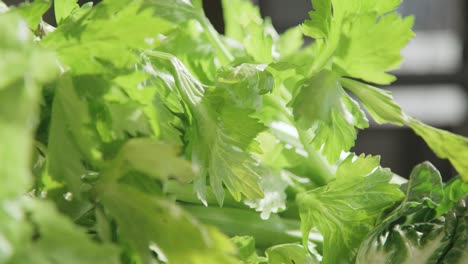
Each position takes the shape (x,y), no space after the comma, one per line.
(432,83)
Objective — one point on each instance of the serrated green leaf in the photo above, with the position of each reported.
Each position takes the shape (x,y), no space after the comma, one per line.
(290,42)
(362,165)
(63,9)
(321,103)
(221,135)
(33,12)
(383,109)
(245,24)
(371,44)
(317,98)
(245,84)
(318,27)
(346,209)
(351,36)
(117,28)
(379,103)
(120,106)
(220,150)
(445,144)
(237,14)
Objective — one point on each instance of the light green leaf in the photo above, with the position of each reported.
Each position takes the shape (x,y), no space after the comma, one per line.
(120,106)
(150,157)
(290,253)
(383,109)
(321,103)
(20,90)
(361,39)
(63,9)
(362,165)
(14,230)
(117,28)
(370,46)
(33,12)
(290,42)
(220,149)
(237,14)
(57,239)
(445,144)
(70,132)
(245,84)
(318,27)
(222,137)
(152,215)
(245,24)
(379,103)
(347,208)
(259,44)
(128,119)
(194,49)
(246,250)
(317,97)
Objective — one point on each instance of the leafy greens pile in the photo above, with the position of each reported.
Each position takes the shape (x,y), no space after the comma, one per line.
(134,133)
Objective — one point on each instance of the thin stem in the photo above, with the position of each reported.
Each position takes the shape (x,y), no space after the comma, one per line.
(323,171)
(239,222)
(184,193)
(225,55)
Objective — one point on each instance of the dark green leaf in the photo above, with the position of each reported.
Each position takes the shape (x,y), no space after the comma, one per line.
(410,233)
(454,190)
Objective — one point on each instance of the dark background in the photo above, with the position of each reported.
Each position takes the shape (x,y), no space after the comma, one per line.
(432,84)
